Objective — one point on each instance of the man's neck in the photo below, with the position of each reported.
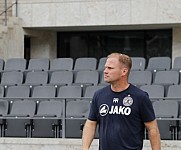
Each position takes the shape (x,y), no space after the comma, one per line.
(118,87)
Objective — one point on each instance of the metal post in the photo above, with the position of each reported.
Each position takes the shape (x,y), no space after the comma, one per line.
(5,7)
(16,8)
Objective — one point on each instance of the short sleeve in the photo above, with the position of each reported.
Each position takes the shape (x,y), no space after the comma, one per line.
(93,113)
(146,109)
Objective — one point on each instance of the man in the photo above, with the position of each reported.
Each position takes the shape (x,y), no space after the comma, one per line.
(121,110)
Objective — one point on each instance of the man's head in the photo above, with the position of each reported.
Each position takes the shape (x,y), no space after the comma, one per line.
(117,67)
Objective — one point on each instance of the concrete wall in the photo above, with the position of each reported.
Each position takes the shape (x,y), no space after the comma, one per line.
(66,144)
(57,13)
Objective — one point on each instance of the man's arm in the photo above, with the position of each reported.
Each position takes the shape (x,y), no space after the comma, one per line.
(154,135)
(88,134)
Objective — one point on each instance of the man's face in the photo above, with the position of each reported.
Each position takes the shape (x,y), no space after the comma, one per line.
(113,70)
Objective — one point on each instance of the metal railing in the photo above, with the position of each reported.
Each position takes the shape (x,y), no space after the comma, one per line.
(6,8)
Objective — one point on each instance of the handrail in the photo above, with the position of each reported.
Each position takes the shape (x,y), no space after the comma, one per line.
(7,8)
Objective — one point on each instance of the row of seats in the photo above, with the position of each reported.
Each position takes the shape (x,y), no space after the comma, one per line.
(86,77)
(47,92)
(71,91)
(89,63)
(24,118)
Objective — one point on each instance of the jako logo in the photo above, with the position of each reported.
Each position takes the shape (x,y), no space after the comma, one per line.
(103,109)
(114,110)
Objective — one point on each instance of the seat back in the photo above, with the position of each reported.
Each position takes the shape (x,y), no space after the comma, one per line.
(39,64)
(174,91)
(48,108)
(43,92)
(12,78)
(36,78)
(18,91)
(90,90)
(166,77)
(166,109)
(4,107)
(61,64)
(138,63)
(159,63)
(154,91)
(24,107)
(78,108)
(61,77)
(15,64)
(177,64)
(101,64)
(140,77)
(85,64)
(1,64)
(87,77)
(69,92)
(1,91)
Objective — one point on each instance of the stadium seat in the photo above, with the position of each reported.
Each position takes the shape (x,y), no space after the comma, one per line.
(12,78)
(139,78)
(177,64)
(155,92)
(4,107)
(58,64)
(165,110)
(47,121)
(102,82)
(59,78)
(159,64)
(76,114)
(138,63)
(1,64)
(85,64)
(166,77)
(90,90)
(101,64)
(69,92)
(39,64)
(2,91)
(86,78)
(36,78)
(18,121)
(15,64)
(18,92)
(41,93)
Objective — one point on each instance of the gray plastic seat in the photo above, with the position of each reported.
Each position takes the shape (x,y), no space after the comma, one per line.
(90,90)
(88,63)
(61,64)
(15,64)
(47,121)
(76,114)
(69,92)
(36,78)
(87,78)
(61,78)
(177,64)
(102,82)
(39,64)
(1,64)
(159,64)
(166,110)
(18,92)
(101,64)
(18,121)
(174,91)
(4,107)
(166,77)
(12,78)
(155,92)
(138,63)
(139,78)
(43,92)
(2,91)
